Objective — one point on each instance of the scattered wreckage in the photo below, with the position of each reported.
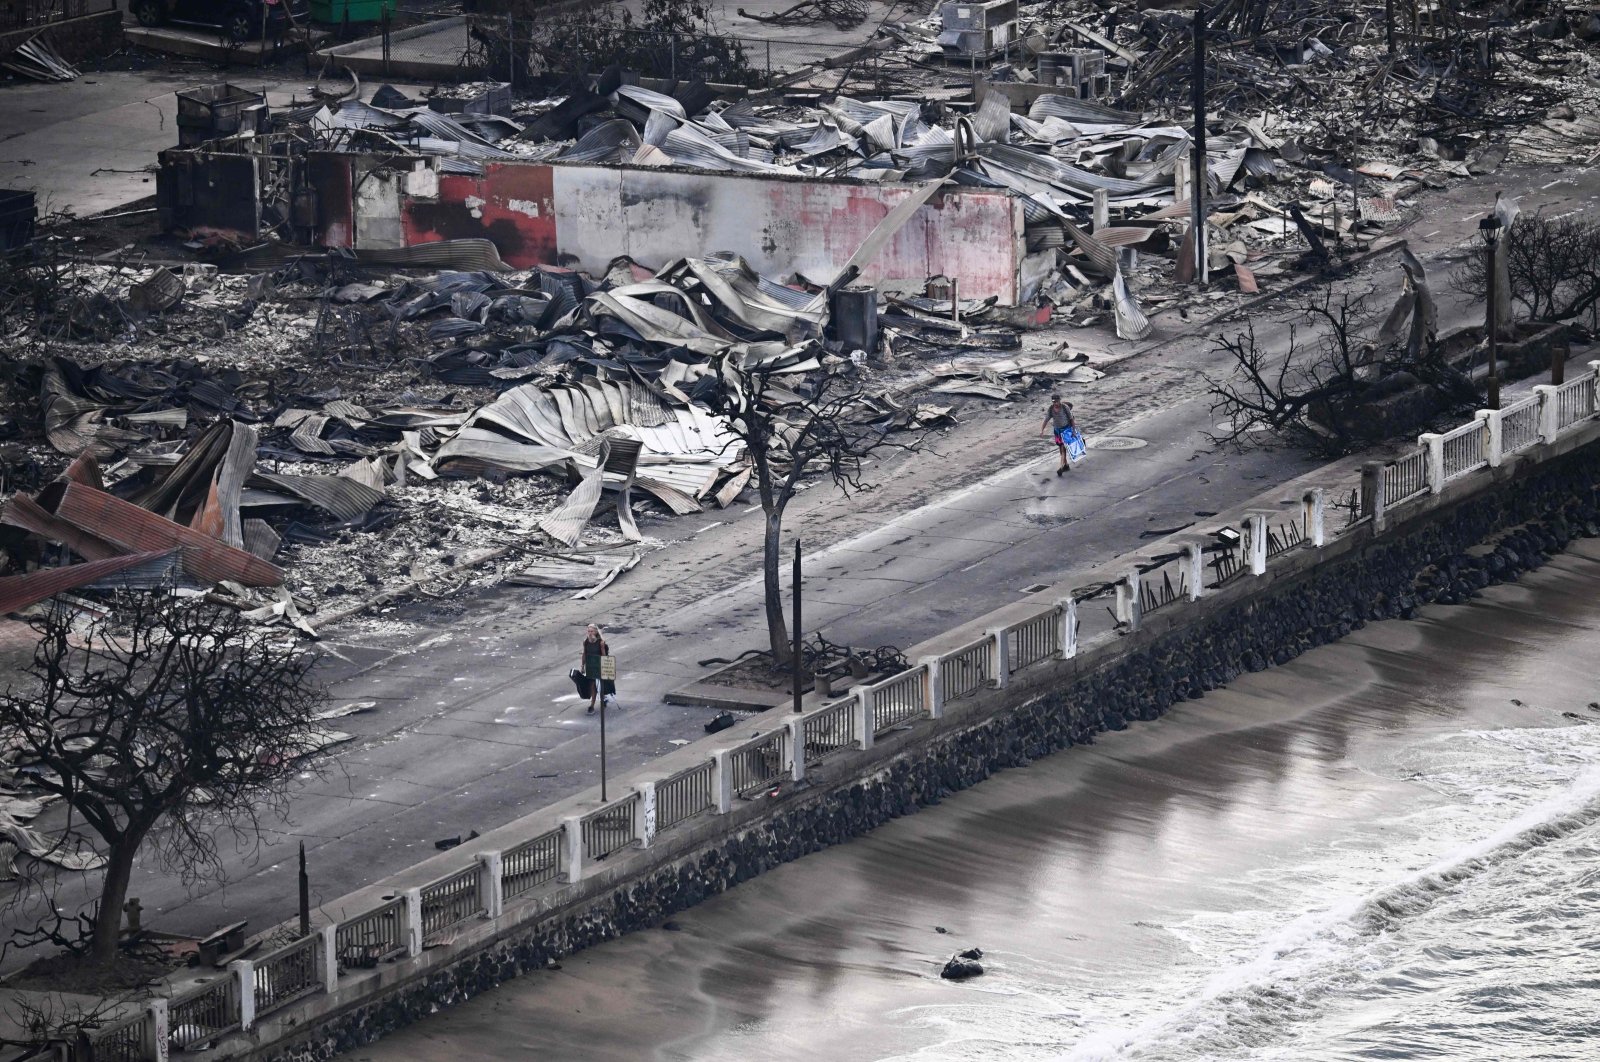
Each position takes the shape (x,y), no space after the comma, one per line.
(270,491)
(1053,184)
(1318,133)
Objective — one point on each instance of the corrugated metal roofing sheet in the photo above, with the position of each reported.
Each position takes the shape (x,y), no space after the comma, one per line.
(20,591)
(341,496)
(136,530)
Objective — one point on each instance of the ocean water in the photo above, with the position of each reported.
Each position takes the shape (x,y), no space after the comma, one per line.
(1387,849)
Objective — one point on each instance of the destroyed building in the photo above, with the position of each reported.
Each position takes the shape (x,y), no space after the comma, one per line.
(516,284)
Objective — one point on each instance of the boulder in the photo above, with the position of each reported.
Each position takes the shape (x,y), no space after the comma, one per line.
(959,969)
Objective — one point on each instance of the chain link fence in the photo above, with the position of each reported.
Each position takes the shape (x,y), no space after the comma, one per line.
(23,14)
(527,52)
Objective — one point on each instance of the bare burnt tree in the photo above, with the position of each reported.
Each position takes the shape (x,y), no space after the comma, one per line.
(167,723)
(1553,265)
(1316,392)
(818,428)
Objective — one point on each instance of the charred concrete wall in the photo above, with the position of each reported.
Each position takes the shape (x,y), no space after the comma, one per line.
(585,216)
(1429,558)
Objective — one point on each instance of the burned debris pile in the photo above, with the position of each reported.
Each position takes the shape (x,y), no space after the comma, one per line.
(513,425)
(436,351)
(1322,121)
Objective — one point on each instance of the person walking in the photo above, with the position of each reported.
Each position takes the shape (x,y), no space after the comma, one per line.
(1058,421)
(594,647)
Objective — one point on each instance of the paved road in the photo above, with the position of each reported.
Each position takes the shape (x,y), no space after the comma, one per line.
(475,723)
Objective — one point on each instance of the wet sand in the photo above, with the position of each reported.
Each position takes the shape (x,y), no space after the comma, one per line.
(1091,879)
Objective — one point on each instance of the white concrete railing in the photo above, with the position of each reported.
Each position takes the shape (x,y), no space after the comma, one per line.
(1456,453)
(1519,424)
(394,929)
(965,670)
(895,700)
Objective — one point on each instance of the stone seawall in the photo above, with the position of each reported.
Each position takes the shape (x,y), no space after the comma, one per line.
(1445,555)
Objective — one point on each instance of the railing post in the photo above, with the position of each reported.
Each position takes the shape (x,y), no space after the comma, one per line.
(413,909)
(999,661)
(1194,569)
(932,686)
(490,867)
(1069,627)
(1314,504)
(722,781)
(572,834)
(1129,607)
(1372,493)
(157,1031)
(1594,386)
(1257,523)
(1434,444)
(244,973)
(796,741)
(330,957)
(1549,412)
(1491,423)
(862,708)
(647,813)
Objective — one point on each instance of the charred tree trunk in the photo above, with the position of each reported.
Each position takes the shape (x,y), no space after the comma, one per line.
(113,895)
(771,557)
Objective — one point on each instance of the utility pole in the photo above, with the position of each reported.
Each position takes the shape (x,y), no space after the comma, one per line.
(795,660)
(1388,21)
(1197,191)
(305,895)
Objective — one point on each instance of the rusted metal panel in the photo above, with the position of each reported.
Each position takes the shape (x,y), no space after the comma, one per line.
(22,511)
(207,192)
(329,175)
(20,591)
(137,530)
(512,204)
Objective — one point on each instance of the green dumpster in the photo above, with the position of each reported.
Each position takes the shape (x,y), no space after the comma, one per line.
(335,12)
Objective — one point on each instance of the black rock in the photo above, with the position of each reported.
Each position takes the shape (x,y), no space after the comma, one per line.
(971,953)
(959,969)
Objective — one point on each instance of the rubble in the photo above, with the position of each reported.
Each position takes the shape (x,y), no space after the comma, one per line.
(495,452)
(390,400)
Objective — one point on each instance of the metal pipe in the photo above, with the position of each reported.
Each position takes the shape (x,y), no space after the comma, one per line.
(1197,193)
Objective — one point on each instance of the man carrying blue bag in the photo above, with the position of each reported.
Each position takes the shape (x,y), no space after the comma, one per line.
(1069,441)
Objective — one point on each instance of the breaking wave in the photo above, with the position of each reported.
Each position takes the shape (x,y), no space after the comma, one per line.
(1318,954)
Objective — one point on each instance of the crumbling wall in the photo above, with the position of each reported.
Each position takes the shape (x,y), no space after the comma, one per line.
(585,216)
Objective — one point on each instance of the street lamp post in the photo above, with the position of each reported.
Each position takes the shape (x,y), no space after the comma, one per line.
(1489,229)
(795,662)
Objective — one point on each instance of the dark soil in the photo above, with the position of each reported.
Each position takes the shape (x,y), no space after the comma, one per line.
(757,672)
(72,973)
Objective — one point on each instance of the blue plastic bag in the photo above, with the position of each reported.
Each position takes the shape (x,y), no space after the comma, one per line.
(1072,439)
